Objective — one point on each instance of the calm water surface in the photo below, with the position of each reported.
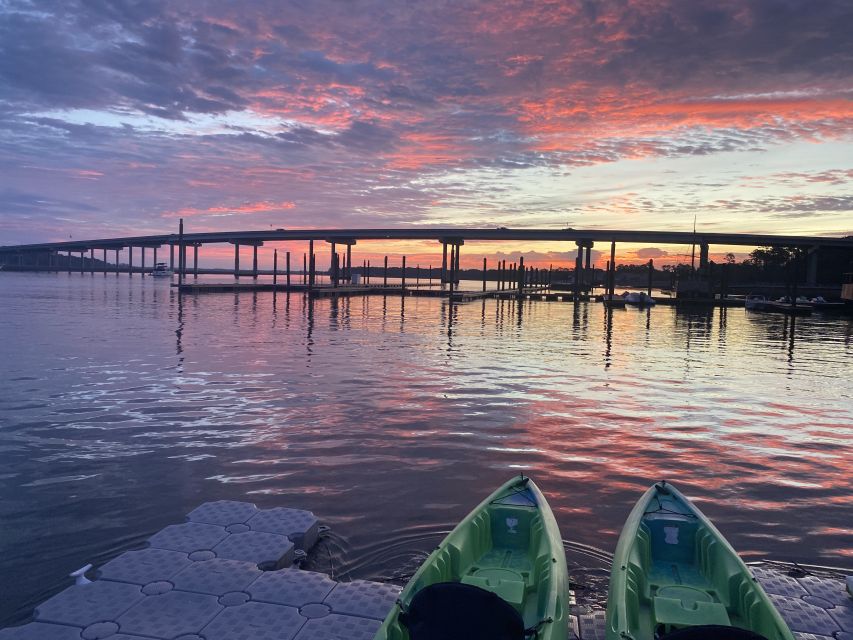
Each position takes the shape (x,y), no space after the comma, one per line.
(122,408)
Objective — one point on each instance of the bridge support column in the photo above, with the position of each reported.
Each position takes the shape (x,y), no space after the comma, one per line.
(811,266)
(91,262)
(255,261)
(236,259)
(105,263)
(117,269)
(142,249)
(130,260)
(333,259)
(443,262)
(195,260)
(703,255)
(349,262)
(578,272)
(172,257)
(155,256)
(312,265)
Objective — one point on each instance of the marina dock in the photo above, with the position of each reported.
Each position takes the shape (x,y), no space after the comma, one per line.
(231,571)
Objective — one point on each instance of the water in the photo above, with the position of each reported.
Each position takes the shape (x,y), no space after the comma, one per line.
(122,408)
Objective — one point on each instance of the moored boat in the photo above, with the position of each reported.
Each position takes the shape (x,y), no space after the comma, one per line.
(755,302)
(160,270)
(500,574)
(638,298)
(675,575)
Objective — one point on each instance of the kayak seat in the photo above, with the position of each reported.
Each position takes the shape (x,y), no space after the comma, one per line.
(506,583)
(679,606)
(458,611)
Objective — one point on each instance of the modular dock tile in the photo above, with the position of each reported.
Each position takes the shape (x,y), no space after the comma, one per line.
(337,627)
(170,614)
(591,626)
(83,605)
(804,617)
(142,567)
(363,599)
(831,589)
(302,527)
(776,582)
(254,621)
(188,537)
(843,615)
(292,587)
(223,512)
(257,547)
(217,576)
(40,631)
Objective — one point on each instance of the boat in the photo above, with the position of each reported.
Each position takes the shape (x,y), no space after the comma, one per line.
(160,270)
(638,298)
(500,574)
(820,303)
(675,577)
(800,307)
(616,302)
(755,302)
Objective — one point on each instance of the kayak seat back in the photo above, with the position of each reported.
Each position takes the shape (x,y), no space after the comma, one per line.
(458,611)
(511,526)
(673,539)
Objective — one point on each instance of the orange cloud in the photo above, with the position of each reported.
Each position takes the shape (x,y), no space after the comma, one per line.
(243,209)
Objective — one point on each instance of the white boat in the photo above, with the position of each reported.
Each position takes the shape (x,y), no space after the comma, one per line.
(160,270)
(638,298)
(755,302)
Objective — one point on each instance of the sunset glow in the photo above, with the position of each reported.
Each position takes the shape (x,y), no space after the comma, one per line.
(116,119)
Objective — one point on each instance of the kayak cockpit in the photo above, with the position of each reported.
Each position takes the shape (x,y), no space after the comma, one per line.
(507,548)
(679,573)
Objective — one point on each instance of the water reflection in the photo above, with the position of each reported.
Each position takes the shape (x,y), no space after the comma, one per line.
(123,405)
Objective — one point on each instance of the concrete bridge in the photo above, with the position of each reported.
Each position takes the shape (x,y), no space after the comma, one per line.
(36,255)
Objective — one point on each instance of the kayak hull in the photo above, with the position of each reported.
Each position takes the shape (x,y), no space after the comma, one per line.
(509,545)
(674,570)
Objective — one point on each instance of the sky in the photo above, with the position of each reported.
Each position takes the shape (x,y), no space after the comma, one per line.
(119,117)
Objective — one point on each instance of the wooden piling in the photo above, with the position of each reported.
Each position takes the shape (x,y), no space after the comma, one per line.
(311,263)
(92,262)
(236,260)
(484,274)
(443,262)
(403,281)
(451,275)
(367,273)
(195,260)
(255,261)
(287,267)
(612,269)
(129,260)
(304,268)
(275,267)
(651,274)
(385,273)
(180,253)
(520,276)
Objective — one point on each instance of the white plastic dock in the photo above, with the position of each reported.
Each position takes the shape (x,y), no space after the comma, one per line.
(226,574)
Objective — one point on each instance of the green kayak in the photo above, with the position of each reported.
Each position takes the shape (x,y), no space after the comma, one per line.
(675,576)
(500,574)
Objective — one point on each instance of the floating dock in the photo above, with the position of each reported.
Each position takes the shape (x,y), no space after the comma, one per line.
(229,572)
